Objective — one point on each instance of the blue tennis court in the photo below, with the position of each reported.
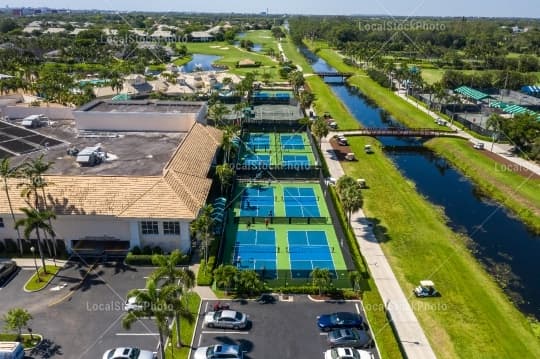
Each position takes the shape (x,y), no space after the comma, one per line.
(295,161)
(256,250)
(255,160)
(309,250)
(259,141)
(300,202)
(292,142)
(257,202)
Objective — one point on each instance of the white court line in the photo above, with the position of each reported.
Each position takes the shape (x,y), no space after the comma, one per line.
(137,334)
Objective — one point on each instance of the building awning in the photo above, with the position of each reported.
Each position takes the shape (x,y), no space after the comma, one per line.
(531,90)
(471,93)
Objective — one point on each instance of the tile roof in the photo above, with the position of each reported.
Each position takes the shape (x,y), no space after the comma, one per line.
(179,193)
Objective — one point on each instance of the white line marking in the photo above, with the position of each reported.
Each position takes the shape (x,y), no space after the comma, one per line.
(206,307)
(200,339)
(357,309)
(325,334)
(223,332)
(137,334)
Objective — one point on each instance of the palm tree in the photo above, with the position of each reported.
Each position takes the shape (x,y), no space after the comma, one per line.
(225,276)
(349,192)
(249,282)
(169,272)
(306,98)
(7,172)
(494,123)
(225,174)
(155,303)
(202,228)
(319,128)
(218,111)
(35,221)
(321,278)
(355,278)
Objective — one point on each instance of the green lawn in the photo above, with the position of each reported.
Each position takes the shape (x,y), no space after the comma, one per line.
(473,318)
(494,178)
(44,278)
(261,37)
(27,341)
(182,60)
(186,330)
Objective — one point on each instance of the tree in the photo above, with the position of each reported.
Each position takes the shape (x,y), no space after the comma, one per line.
(155,303)
(16,319)
(321,278)
(7,172)
(249,282)
(169,272)
(494,123)
(356,278)
(225,277)
(349,192)
(218,111)
(35,221)
(225,174)
(319,128)
(296,78)
(202,227)
(266,76)
(306,99)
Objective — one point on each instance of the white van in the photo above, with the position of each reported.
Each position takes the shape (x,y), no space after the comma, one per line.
(11,350)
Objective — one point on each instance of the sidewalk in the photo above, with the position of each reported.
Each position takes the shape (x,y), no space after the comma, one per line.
(500,149)
(409,332)
(29,262)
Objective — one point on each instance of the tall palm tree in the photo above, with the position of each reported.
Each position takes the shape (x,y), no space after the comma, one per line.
(170,274)
(218,111)
(155,303)
(202,227)
(321,278)
(7,172)
(225,174)
(319,128)
(35,221)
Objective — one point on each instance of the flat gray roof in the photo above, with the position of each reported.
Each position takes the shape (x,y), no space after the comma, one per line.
(142,106)
(129,153)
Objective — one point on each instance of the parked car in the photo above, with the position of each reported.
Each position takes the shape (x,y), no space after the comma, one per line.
(7,268)
(350,337)
(426,289)
(11,350)
(132,304)
(218,352)
(225,319)
(129,353)
(347,353)
(339,320)
(479,146)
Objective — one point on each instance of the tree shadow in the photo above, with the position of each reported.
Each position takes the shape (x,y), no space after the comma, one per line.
(90,280)
(119,267)
(46,349)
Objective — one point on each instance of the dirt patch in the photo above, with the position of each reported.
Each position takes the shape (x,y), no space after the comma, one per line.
(511,166)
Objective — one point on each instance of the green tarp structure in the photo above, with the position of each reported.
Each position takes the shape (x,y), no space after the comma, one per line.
(471,93)
(512,109)
(121,97)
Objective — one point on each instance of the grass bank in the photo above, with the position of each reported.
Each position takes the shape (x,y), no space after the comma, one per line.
(473,318)
(34,284)
(186,330)
(496,180)
(261,37)
(27,340)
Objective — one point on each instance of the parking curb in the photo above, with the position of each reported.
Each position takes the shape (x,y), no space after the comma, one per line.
(333,300)
(71,292)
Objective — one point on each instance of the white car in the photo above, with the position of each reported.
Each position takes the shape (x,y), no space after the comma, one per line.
(347,353)
(479,146)
(225,319)
(132,304)
(129,353)
(218,352)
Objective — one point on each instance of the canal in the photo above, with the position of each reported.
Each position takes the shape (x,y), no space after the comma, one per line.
(499,241)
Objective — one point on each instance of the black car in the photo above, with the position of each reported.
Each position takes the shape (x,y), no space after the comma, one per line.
(7,268)
(339,320)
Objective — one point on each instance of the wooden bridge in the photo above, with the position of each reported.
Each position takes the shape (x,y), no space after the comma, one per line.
(334,74)
(401,132)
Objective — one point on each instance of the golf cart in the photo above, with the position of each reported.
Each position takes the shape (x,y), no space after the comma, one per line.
(426,289)
(368,149)
(361,182)
(350,156)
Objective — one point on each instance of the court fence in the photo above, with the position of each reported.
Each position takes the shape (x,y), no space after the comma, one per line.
(281,220)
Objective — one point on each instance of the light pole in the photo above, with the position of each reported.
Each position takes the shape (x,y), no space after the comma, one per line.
(33,250)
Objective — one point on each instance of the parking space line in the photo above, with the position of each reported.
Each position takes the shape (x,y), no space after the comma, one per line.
(137,334)
(357,309)
(323,334)
(223,332)
(200,339)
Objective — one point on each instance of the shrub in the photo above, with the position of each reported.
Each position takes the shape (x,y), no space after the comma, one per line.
(136,250)
(205,278)
(379,77)
(147,250)
(139,259)
(157,250)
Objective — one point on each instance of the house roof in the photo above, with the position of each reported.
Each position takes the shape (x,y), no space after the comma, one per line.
(179,193)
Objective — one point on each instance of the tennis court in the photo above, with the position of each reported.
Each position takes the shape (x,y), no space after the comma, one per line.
(309,250)
(259,141)
(295,161)
(255,160)
(256,250)
(257,202)
(292,142)
(300,202)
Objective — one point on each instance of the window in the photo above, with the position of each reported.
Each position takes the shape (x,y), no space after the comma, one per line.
(171,228)
(149,227)
(1,222)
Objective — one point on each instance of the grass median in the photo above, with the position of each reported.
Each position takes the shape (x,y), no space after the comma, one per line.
(497,180)
(186,330)
(473,318)
(34,284)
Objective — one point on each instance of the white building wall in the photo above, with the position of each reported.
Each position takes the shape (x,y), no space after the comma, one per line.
(53,113)
(142,121)
(168,242)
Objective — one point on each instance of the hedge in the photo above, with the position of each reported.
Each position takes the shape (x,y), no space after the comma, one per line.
(205,278)
(332,292)
(146,259)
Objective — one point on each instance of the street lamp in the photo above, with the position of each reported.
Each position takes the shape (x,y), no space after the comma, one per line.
(33,250)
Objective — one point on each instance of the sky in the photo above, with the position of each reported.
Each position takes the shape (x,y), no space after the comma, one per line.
(484,8)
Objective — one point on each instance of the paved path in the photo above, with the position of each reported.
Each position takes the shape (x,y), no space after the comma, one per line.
(29,262)
(498,148)
(408,329)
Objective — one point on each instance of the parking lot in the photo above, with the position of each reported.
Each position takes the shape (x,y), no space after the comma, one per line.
(278,330)
(82,322)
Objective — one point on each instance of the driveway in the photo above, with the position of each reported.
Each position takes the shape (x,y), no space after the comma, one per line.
(279,330)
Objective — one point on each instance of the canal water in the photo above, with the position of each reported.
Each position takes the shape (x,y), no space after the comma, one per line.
(200,62)
(500,241)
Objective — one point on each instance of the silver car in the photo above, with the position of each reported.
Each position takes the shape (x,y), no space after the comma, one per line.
(349,338)
(225,319)
(129,353)
(221,351)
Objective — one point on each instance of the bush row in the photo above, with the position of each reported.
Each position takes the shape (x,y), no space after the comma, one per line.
(9,248)
(206,272)
(331,292)
(379,77)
